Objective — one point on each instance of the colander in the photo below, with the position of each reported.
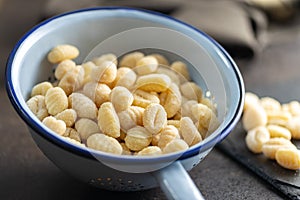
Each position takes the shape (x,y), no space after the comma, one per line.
(120,30)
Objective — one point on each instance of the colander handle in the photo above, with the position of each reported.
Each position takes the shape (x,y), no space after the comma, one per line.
(176,183)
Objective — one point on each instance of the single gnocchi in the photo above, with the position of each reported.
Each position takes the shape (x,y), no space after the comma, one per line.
(72,80)
(288,158)
(254,116)
(131,117)
(104,143)
(86,127)
(108,120)
(138,138)
(41,88)
(250,99)
(181,68)
(55,125)
(153,82)
(130,59)
(63,67)
(279,131)
(84,106)
(69,116)
(175,145)
(154,118)
(146,65)
(189,132)
(143,99)
(150,151)
(38,106)
(256,138)
(56,100)
(166,135)
(104,73)
(62,52)
(121,98)
(171,100)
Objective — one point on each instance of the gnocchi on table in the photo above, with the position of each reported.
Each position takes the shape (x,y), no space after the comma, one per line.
(137,104)
(271,127)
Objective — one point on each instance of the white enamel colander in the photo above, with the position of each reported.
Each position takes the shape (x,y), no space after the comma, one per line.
(120,30)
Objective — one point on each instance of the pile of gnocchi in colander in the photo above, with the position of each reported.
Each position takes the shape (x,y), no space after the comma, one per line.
(271,127)
(134,105)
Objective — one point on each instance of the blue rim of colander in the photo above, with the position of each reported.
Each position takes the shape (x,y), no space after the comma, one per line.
(85,152)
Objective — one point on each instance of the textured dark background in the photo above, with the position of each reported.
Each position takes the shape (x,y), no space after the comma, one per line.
(25,173)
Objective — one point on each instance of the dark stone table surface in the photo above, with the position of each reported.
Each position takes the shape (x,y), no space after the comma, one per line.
(25,173)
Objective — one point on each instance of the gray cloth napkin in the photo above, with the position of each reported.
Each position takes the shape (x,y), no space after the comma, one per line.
(239,28)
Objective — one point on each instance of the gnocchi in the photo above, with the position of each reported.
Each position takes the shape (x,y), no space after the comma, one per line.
(69,116)
(271,127)
(104,143)
(41,88)
(146,65)
(63,67)
(138,138)
(62,52)
(154,118)
(139,104)
(38,106)
(55,125)
(56,100)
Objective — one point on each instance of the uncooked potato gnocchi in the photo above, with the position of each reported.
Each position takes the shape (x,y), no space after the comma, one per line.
(139,104)
(270,127)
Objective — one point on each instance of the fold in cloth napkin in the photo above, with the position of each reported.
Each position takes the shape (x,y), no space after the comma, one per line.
(236,26)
